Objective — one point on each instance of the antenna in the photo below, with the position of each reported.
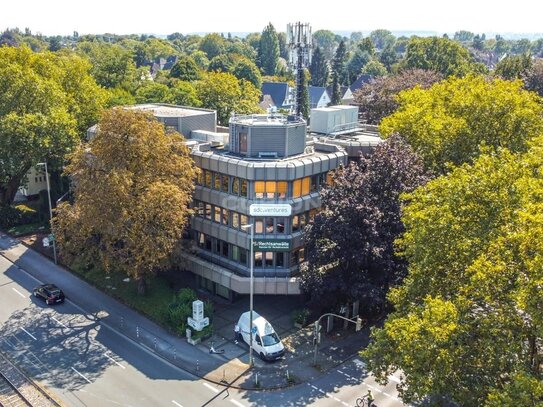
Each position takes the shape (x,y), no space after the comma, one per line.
(299,42)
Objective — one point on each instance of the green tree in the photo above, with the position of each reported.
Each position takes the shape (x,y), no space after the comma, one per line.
(247,69)
(374,68)
(463,36)
(357,61)
(226,94)
(201,59)
(514,66)
(184,94)
(304,108)
(440,55)
(152,92)
(134,186)
(382,38)
(448,123)
(338,69)
(468,318)
(221,63)
(319,69)
(213,45)
(268,51)
(185,69)
(47,103)
(533,78)
(388,57)
(326,41)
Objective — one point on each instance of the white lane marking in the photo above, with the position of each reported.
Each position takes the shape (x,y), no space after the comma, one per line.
(176,403)
(237,403)
(113,360)
(394,379)
(345,404)
(74,369)
(18,292)
(315,387)
(58,322)
(29,334)
(210,387)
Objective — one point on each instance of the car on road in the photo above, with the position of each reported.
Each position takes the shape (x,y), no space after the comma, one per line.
(266,343)
(50,293)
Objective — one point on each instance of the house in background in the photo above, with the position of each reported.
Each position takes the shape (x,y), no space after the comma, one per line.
(278,94)
(347,92)
(318,97)
(30,187)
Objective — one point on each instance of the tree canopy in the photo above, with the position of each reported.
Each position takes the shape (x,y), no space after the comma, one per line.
(47,103)
(268,51)
(349,244)
(132,187)
(467,322)
(319,69)
(450,122)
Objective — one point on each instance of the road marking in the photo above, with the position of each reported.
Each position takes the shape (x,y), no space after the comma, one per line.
(237,403)
(210,387)
(58,322)
(29,334)
(315,387)
(113,360)
(176,403)
(394,379)
(345,404)
(74,369)
(374,388)
(17,291)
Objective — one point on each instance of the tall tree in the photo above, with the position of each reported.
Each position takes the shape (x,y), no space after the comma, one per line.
(374,68)
(133,184)
(338,72)
(212,44)
(451,121)
(246,69)
(514,66)
(326,40)
(388,57)
(350,242)
(319,69)
(440,55)
(47,102)
(533,79)
(185,69)
(304,109)
(377,99)
(268,51)
(467,323)
(382,38)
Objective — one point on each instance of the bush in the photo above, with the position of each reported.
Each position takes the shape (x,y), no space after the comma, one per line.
(9,217)
(300,316)
(181,308)
(27,215)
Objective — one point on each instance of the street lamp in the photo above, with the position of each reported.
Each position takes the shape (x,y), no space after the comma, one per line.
(252,260)
(50,208)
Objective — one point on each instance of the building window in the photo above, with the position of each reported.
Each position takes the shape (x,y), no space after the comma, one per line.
(312,214)
(295,223)
(243,256)
(306,185)
(217,217)
(258,259)
(200,178)
(224,182)
(314,183)
(244,188)
(280,225)
(36,179)
(235,253)
(235,220)
(217,246)
(282,189)
(225,249)
(301,255)
(268,256)
(225,217)
(260,189)
(207,178)
(280,259)
(297,188)
(235,186)
(259,225)
(208,211)
(269,225)
(201,240)
(217,181)
(200,209)
(208,243)
(243,143)
(244,221)
(303,220)
(271,188)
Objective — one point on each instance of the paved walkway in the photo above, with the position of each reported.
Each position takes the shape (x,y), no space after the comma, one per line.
(230,368)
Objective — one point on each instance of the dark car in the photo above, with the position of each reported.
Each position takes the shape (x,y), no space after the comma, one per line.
(50,293)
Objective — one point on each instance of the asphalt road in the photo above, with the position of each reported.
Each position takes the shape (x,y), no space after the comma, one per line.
(87,363)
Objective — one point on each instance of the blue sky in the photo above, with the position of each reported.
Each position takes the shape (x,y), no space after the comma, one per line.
(164,17)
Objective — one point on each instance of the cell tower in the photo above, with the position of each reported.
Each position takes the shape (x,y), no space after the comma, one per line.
(299,43)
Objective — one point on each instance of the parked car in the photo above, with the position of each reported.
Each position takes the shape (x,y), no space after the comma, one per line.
(50,293)
(266,342)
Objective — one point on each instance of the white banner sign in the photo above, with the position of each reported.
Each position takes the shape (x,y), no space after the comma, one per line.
(270,210)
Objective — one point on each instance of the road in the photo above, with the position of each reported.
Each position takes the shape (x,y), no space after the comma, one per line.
(86,362)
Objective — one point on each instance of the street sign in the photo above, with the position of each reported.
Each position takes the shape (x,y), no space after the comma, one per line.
(45,242)
(270,210)
(51,237)
(271,245)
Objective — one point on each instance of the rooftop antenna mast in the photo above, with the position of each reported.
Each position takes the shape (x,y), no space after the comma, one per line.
(300,43)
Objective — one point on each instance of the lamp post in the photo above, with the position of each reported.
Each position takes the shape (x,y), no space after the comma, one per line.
(252,261)
(50,208)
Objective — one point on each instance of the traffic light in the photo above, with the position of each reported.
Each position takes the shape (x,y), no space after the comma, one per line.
(358,324)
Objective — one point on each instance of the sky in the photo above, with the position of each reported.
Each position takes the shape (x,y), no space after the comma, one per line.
(63,17)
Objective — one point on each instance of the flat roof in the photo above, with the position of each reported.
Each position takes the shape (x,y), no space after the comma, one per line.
(164,110)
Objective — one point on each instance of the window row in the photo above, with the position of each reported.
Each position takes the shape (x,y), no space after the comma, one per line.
(240,255)
(223,183)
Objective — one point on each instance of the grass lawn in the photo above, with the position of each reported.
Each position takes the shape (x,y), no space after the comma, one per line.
(22,230)
(154,303)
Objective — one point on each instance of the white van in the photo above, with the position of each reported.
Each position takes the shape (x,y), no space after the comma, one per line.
(266,343)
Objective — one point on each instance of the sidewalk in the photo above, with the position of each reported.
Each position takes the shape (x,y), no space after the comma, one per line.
(230,368)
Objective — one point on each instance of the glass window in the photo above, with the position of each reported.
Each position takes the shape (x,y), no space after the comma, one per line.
(306,185)
(235,186)
(235,220)
(225,179)
(269,225)
(314,183)
(312,213)
(295,223)
(294,258)
(217,246)
(235,253)
(269,259)
(258,259)
(217,217)
(271,189)
(200,179)
(243,142)
(259,225)
(217,181)
(244,188)
(282,189)
(225,217)
(303,220)
(280,225)
(280,259)
(208,211)
(244,221)
(243,256)
(301,255)
(329,178)
(297,188)
(225,249)
(201,238)
(208,178)
(208,243)
(260,189)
